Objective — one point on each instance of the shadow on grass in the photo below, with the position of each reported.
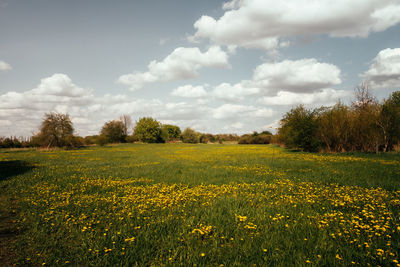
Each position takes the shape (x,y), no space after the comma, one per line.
(12,168)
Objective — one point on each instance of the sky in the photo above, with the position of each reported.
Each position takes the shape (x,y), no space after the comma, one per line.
(217,67)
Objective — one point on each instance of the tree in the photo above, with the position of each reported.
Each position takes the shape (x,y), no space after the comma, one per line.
(56,130)
(148,130)
(334,127)
(114,131)
(389,121)
(190,136)
(170,132)
(127,122)
(299,128)
(365,132)
(256,138)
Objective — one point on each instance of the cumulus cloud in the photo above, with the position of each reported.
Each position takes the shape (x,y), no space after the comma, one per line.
(182,64)
(59,85)
(5,66)
(51,92)
(55,93)
(384,71)
(324,97)
(263,23)
(189,91)
(235,92)
(296,76)
(22,113)
(304,75)
(234,111)
(237,125)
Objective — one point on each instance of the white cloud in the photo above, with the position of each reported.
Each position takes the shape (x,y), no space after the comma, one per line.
(324,97)
(262,23)
(305,75)
(189,91)
(237,125)
(55,93)
(229,111)
(234,111)
(297,76)
(22,113)
(234,92)
(88,112)
(59,85)
(183,63)
(384,71)
(5,66)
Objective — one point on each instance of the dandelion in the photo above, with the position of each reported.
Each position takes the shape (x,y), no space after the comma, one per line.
(241,218)
(130,239)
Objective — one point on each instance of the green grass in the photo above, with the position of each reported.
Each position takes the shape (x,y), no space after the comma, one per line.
(179,204)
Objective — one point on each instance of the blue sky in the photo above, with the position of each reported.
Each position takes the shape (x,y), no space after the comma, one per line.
(218,67)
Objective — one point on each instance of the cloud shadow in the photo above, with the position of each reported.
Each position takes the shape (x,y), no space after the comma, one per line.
(12,168)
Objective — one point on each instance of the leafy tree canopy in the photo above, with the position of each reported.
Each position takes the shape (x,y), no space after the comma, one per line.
(56,130)
(114,131)
(148,130)
(170,132)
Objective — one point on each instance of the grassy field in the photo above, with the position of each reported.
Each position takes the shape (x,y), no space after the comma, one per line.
(179,204)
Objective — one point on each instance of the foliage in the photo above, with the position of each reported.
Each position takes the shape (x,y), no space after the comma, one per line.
(203,138)
(126,122)
(190,136)
(90,139)
(114,131)
(389,121)
(10,142)
(366,125)
(101,140)
(299,129)
(186,205)
(256,138)
(131,138)
(148,130)
(334,127)
(56,130)
(170,132)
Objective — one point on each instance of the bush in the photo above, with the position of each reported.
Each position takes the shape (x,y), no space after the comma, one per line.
(131,138)
(114,131)
(101,140)
(75,141)
(170,132)
(299,129)
(148,130)
(255,138)
(190,136)
(262,139)
(245,139)
(90,139)
(203,139)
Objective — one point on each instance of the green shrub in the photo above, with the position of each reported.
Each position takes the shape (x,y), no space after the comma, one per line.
(190,136)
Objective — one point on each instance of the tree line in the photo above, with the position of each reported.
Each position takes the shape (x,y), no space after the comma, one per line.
(57,130)
(365,125)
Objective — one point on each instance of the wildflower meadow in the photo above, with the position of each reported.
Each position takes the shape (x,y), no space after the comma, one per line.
(197,204)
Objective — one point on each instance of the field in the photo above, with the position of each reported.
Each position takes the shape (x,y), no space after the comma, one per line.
(180,204)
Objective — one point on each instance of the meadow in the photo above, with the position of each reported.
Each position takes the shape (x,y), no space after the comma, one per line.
(219,205)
